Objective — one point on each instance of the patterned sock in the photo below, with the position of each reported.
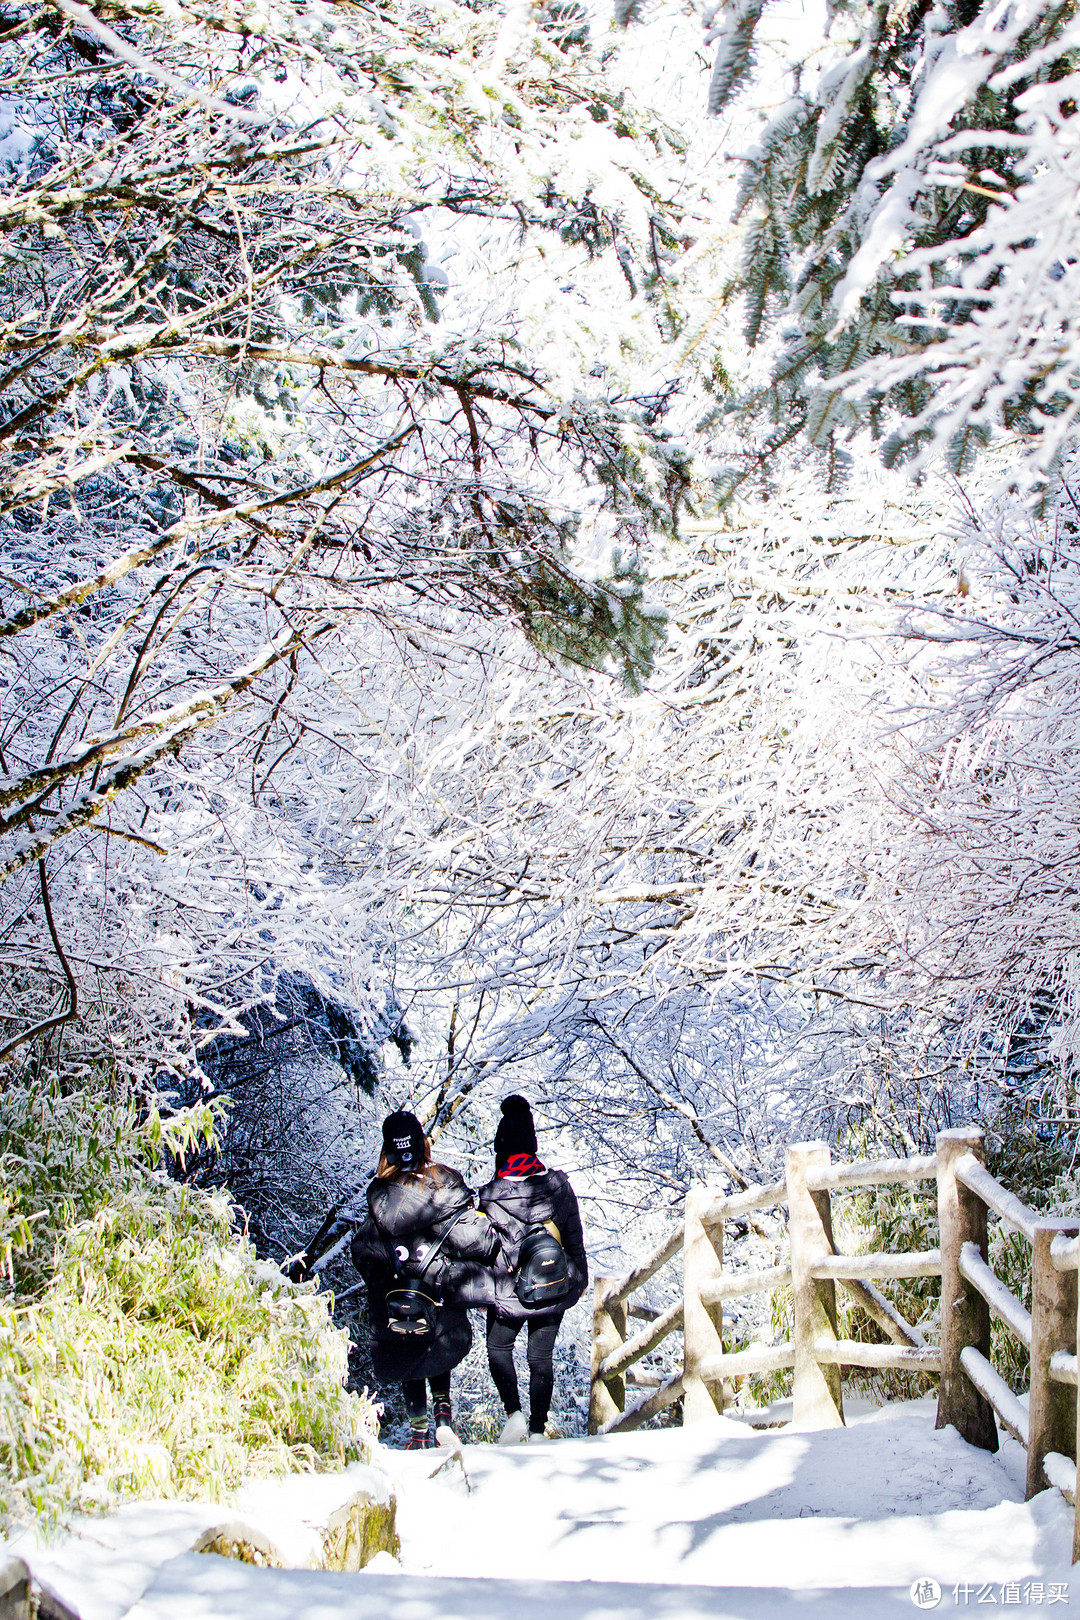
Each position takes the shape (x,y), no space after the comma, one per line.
(419,1426)
(444,1414)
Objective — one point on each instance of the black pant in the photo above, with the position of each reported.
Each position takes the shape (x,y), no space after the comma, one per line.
(500,1349)
(415,1394)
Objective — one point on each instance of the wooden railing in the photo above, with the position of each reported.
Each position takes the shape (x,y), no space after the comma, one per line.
(972,1395)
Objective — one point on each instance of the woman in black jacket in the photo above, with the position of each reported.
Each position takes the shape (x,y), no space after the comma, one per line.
(414,1207)
(524,1196)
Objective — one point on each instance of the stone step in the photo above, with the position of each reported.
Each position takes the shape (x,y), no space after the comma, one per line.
(199,1588)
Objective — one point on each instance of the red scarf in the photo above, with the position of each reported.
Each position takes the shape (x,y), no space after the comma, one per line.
(521,1164)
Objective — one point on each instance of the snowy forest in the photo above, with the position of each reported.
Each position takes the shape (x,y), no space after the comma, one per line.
(540,553)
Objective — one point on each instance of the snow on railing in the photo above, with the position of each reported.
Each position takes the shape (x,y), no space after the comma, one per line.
(972,1395)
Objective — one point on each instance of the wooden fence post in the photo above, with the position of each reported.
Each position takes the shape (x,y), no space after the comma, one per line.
(607,1396)
(1051,1406)
(819,1402)
(965,1315)
(703,1260)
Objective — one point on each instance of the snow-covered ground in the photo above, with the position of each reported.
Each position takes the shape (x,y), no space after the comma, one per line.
(713,1522)
(879,1504)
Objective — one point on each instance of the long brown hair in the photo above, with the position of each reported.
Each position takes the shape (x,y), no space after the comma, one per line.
(387,1171)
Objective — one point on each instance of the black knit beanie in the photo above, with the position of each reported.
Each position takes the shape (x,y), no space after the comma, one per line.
(403,1139)
(516,1132)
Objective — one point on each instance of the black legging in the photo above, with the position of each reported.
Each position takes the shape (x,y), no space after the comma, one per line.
(500,1349)
(414,1392)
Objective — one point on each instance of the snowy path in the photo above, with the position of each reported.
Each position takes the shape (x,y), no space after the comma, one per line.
(713,1522)
(875,1505)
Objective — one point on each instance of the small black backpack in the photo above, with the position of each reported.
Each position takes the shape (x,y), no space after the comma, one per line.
(543,1276)
(410,1308)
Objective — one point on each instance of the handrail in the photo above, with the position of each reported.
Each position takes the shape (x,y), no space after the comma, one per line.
(730,1206)
(991,1384)
(734,1284)
(1065,1253)
(1063,1368)
(16,1586)
(642,1342)
(1004,1304)
(647,1268)
(1061,1472)
(757,1358)
(842,1266)
(874,1173)
(665,1396)
(977,1178)
(883,1312)
(973,1396)
(898,1357)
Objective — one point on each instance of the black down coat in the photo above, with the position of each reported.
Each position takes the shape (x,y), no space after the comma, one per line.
(513,1204)
(407,1214)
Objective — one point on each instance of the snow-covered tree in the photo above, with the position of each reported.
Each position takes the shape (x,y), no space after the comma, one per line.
(910,225)
(815,877)
(245,460)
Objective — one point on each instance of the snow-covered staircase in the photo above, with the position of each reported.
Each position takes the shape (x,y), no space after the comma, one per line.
(714,1520)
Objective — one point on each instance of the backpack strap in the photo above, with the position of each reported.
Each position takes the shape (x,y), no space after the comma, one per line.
(433,1251)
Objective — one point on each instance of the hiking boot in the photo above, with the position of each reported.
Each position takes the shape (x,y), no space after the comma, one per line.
(419,1442)
(514,1430)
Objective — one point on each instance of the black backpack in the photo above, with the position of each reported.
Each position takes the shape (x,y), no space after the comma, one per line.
(543,1276)
(410,1308)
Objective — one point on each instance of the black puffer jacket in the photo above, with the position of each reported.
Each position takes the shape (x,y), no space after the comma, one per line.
(407,1214)
(513,1204)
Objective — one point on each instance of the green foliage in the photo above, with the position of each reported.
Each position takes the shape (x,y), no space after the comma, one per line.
(895,1220)
(63,1154)
(164,1359)
(144,1349)
(1039,1172)
(592,623)
(901,1218)
(1033,1165)
(523,560)
(734,58)
(626,12)
(566,24)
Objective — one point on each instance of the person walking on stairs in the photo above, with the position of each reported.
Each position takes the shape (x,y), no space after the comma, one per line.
(425,1254)
(529,1206)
